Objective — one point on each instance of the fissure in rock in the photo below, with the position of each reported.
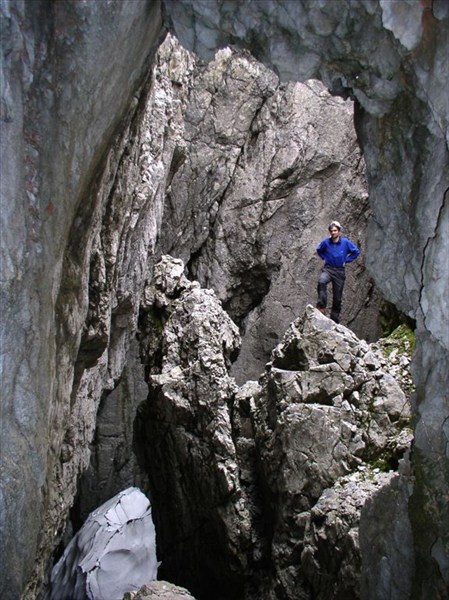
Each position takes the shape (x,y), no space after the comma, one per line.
(235,170)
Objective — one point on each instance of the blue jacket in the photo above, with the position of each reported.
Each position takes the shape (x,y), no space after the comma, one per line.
(337,255)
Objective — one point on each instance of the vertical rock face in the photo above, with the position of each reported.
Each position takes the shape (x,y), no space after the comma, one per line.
(280,162)
(325,414)
(113,463)
(63,98)
(90,183)
(183,170)
(391,58)
(184,431)
(257,491)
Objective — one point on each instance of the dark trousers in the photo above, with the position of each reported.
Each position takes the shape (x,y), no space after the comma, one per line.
(337,277)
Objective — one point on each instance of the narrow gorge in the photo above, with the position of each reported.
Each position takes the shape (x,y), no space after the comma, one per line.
(167,170)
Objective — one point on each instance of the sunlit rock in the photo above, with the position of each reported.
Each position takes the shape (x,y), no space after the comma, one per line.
(114,551)
(159,590)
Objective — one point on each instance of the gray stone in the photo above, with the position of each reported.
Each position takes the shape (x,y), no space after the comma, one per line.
(279,162)
(70,310)
(113,465)
(114,552)
(402,122)
(159,590)
(384,526)
(228,461)
(333,568)
(62,103)
(106,262)
(321,457)
(184,434)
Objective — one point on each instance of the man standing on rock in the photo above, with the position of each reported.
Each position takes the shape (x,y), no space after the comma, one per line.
(336,251)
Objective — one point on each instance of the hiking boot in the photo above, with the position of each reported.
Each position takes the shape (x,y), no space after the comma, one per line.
(322,310)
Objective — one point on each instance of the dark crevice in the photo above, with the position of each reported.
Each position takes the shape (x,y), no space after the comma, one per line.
(293,359)
(438,227)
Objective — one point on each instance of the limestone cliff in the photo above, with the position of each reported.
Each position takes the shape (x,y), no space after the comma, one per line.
(64,97)
(258,170)
(240,228)
(76,139)
(258,491)
(391,57)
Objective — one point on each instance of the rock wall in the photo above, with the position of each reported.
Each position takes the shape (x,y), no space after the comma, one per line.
(99,234)
(71,232)
(137,208)
(257,491)
(390,57)
(70,71)
(265,167)
(247,232)
(184,430)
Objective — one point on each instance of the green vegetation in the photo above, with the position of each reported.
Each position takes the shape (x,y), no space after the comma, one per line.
(383,463)
(401,339)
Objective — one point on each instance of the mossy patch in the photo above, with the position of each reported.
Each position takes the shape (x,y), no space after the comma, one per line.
(402,339)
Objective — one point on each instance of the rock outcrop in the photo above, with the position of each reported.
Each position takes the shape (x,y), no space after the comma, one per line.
(184,432)
(159,590)
(229,233)
(63,102)
(252,487)
(278,162)
(327,420)
(390,57)
(71,283)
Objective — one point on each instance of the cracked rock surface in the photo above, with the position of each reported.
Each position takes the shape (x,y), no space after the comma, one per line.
(326,417)
(182,175)
(114,551)
(277,163)
(86,172)
(274,472)
(184,432)
(159,590)
(390,56)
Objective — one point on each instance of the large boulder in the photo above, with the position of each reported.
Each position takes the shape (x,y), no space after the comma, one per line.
(113,552)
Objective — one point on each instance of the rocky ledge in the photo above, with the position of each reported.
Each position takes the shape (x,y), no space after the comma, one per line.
(261,488)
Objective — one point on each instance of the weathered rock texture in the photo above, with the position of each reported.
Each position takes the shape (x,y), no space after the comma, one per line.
(167,182)
(113,465)
(159,590)
(69,74)
(253,487)
(184,431)
(391,57)
(326,409)
(71,283)
(277,163)
(113,552)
